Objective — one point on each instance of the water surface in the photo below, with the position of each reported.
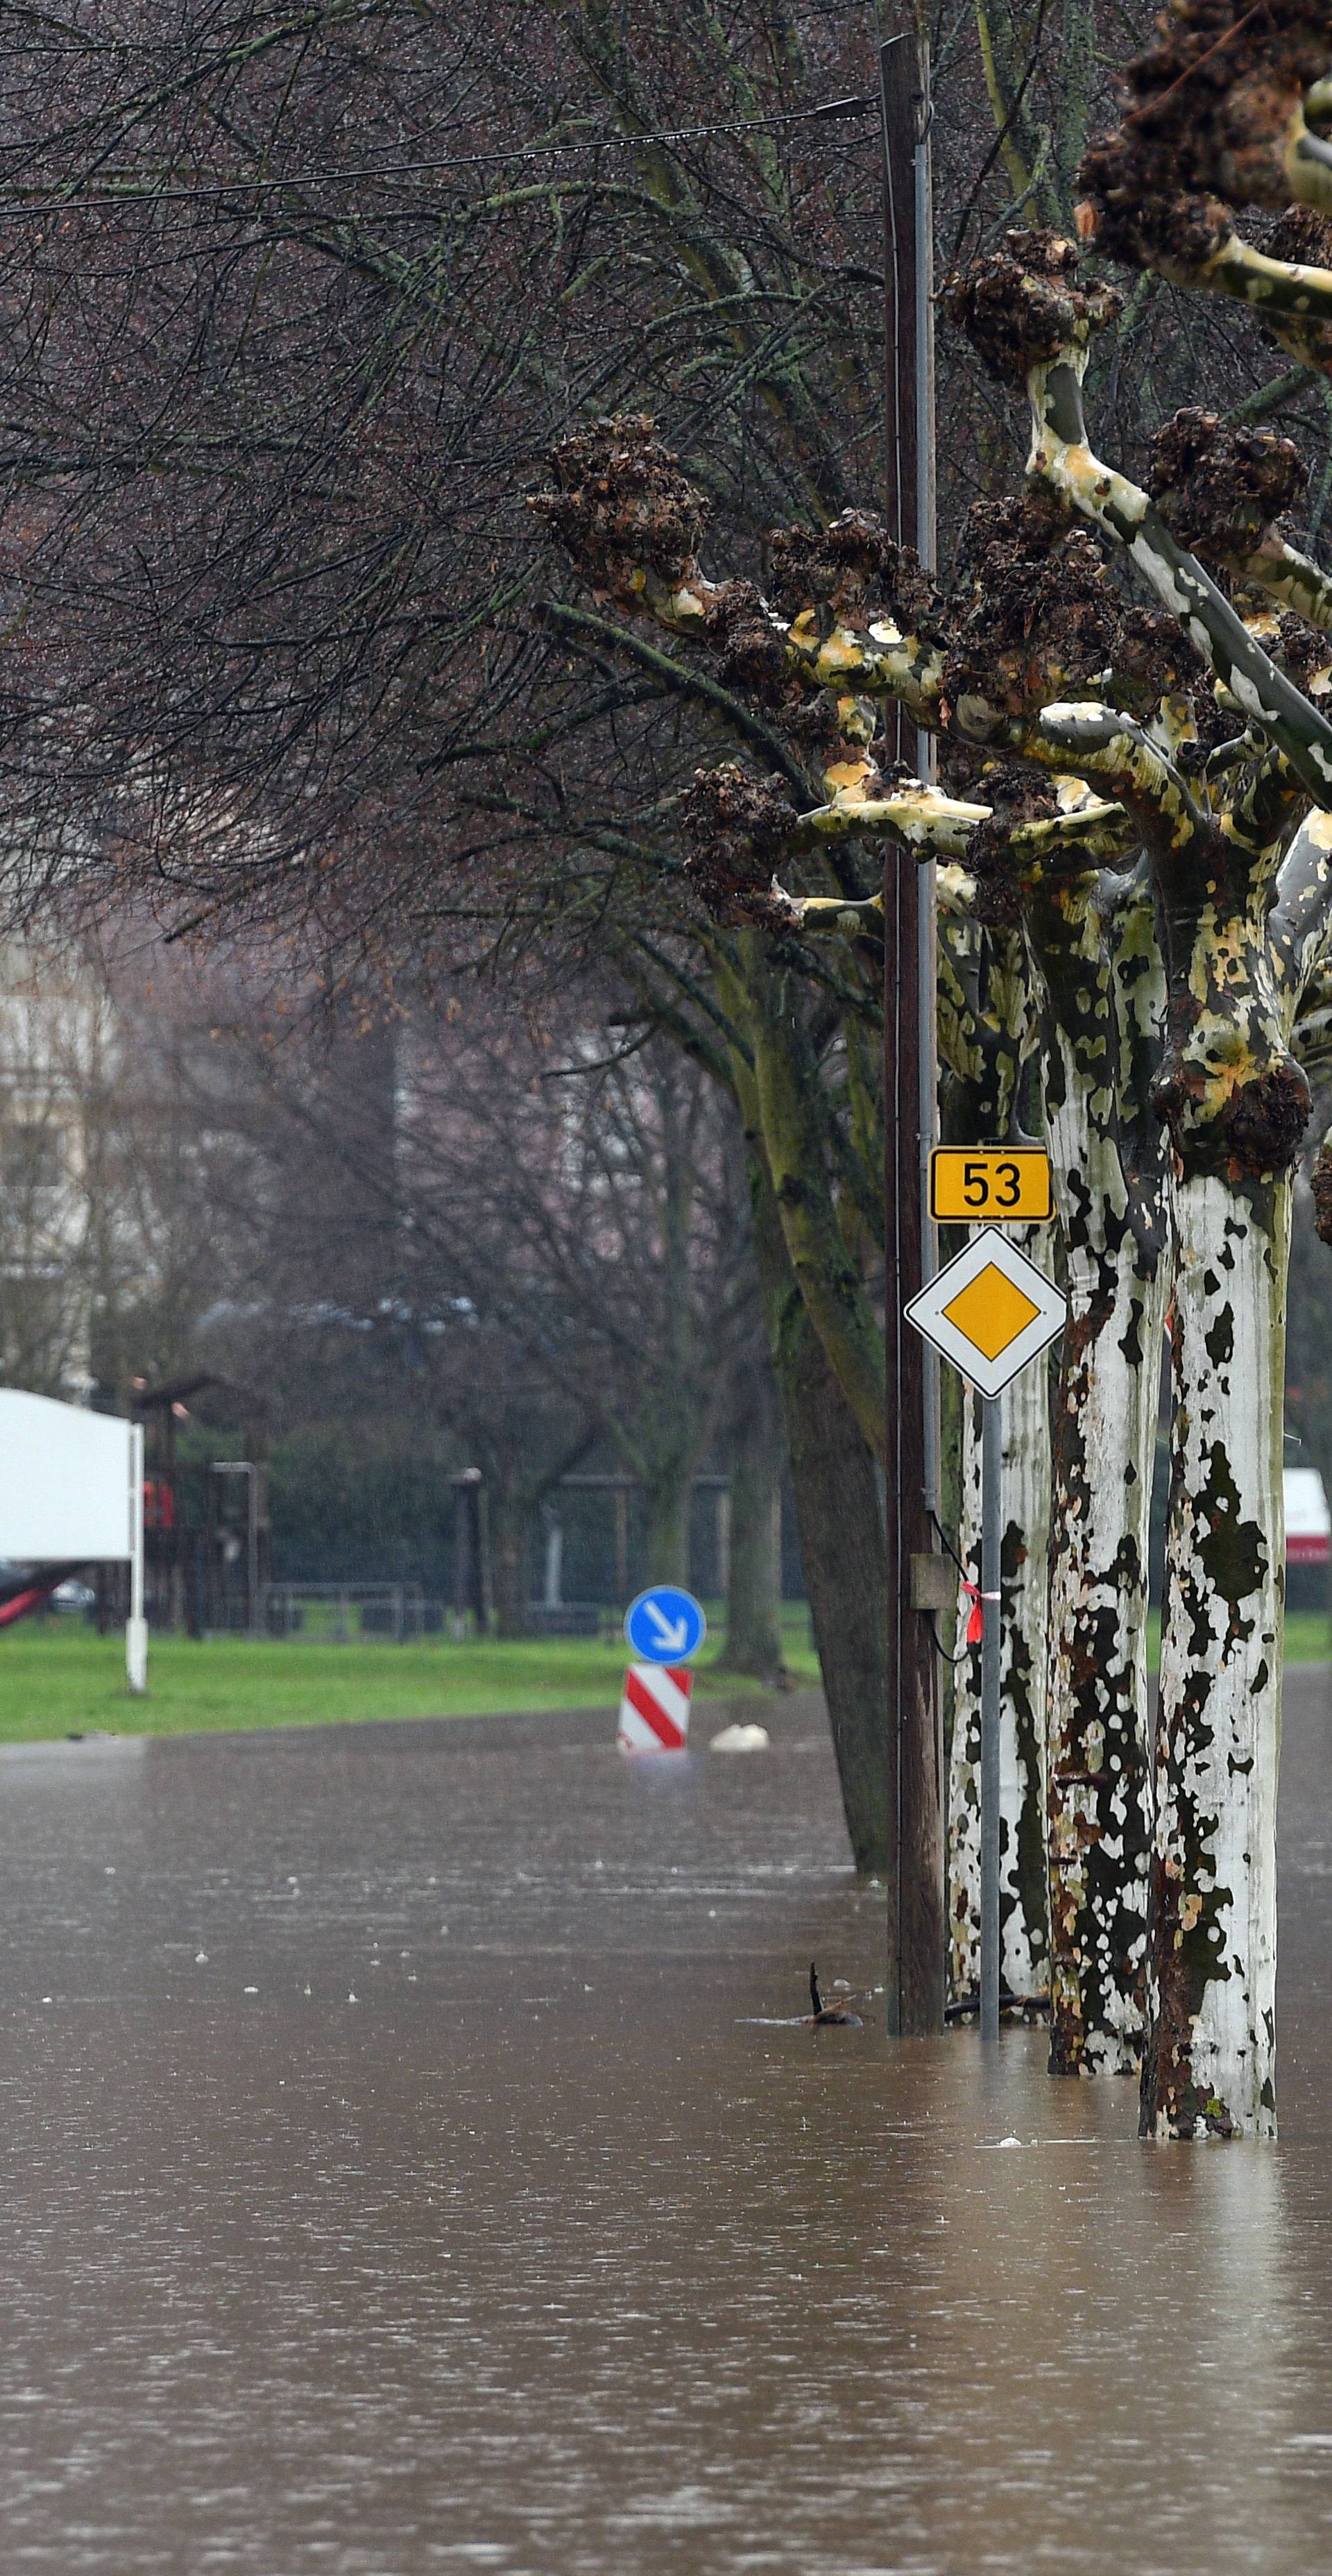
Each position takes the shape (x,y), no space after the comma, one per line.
(407,2169)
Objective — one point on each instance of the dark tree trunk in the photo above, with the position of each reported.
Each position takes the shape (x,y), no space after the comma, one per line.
(510,1519)
(839,1519)
(668,1525)
(755,1457)
(840,1523)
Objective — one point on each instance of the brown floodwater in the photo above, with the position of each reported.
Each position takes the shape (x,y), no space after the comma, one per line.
(409,2166)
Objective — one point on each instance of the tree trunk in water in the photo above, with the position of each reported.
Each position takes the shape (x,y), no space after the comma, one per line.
(839,1521)
(1102,997)
(1208,2069)
(1023,1913)
(756,1456)
(1100,1788)
(1243,923)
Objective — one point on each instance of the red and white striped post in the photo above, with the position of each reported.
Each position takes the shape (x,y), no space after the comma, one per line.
(654,1709)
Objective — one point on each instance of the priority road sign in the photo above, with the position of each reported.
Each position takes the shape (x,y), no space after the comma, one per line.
(990,1185)
(989,1311)
(665,1625)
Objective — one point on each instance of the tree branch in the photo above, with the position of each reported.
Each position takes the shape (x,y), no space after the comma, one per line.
(686,683)
(1061,457)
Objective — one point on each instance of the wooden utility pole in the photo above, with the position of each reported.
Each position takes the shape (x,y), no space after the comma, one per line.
(916,1904)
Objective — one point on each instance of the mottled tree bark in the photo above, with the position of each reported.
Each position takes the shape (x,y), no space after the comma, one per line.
(1209,2064)
(1100,1811)
(1209,2069)
(1093,949)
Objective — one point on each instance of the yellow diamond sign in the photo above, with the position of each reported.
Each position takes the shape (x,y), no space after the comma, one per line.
(990,1311)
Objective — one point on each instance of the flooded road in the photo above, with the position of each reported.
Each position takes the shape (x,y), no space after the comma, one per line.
(401,2174)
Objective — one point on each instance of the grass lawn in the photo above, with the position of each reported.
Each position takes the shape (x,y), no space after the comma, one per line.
(57,1679)
(1308,1638)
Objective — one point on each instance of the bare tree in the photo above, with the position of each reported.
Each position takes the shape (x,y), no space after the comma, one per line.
(550,1224)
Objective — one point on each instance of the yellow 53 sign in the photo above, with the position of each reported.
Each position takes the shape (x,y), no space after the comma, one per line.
(990,1185)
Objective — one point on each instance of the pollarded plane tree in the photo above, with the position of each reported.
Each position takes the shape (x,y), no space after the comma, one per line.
(1147,789)
(1224,111)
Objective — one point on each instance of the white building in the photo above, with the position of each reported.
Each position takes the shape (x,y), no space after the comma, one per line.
(57,1062)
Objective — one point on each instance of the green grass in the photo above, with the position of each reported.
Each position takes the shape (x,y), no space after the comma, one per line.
(57,1680)
(1308,1638)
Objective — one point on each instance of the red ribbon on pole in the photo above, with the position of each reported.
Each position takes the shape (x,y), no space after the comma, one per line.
(976,1621)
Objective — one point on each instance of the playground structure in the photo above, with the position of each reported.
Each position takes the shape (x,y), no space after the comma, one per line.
(207,1524)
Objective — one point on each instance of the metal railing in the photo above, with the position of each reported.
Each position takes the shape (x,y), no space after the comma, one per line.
(336,1613)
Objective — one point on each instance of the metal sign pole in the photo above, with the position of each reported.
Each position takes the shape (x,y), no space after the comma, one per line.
(136,1626)
(254,1623)
(992,1313)
(927,763)
(915,1979)
(992,1459)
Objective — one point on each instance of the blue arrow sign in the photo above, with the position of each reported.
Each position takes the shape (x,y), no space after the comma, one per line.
(665,1625)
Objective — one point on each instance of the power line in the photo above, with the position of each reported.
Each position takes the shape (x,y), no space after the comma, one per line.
(117,197)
